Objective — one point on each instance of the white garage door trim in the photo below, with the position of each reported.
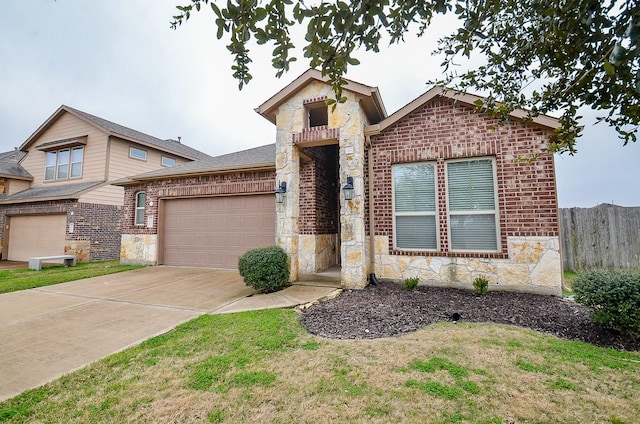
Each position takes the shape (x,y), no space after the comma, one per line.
(214,231)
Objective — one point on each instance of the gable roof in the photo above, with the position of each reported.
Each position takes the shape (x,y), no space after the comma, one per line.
(12,156)
(10,167)
(53,192)
(117,130)
(371,101)
(456,96)
(255,159)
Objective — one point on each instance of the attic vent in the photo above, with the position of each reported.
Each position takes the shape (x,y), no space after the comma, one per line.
(317,114)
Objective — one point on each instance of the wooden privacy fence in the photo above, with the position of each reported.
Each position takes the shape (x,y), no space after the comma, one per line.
(606,236)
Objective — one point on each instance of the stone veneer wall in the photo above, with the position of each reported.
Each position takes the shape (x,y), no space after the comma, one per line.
(96,228)
(139,243)
(139,249)
(317,252)
(347,121)
(529,259)
(533,265)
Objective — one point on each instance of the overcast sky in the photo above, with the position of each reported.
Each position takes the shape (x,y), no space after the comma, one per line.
(119,60)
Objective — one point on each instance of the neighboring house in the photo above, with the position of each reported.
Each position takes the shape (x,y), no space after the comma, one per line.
(449,193)
(56,194)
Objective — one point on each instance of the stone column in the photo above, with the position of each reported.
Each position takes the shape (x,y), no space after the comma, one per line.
(288,170)
(352,212)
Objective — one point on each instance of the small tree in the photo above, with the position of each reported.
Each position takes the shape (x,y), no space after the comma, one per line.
(481,284)
(411,283)
(265,268)
(612,296)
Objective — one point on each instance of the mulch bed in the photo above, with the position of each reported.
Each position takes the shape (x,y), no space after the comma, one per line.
(389,310)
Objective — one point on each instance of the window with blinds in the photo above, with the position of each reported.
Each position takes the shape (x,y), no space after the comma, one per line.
(471,198)
(414,206)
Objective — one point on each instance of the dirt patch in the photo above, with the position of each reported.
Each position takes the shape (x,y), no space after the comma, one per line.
(389,310)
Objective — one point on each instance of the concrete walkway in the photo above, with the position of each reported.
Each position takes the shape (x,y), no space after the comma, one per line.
(50,331)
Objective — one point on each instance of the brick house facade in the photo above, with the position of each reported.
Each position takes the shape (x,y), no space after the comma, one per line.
(440,191)
(527,257)
(145,244)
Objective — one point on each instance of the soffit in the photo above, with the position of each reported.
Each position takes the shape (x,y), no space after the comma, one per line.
(458,97)
(370,99)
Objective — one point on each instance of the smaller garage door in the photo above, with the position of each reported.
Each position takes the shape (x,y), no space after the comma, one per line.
(36,235)
(216,231)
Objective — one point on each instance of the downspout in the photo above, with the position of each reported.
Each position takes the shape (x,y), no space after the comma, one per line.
(372,243)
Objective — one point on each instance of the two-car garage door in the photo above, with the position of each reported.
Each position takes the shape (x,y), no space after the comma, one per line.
(215,231)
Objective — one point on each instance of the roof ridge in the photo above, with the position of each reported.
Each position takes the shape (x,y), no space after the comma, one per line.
(168,144)
(100,121)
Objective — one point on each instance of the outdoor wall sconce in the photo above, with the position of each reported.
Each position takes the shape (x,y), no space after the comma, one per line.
(280,191)
(348,189)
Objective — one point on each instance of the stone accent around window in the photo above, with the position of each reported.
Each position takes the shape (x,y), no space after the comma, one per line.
(533,266)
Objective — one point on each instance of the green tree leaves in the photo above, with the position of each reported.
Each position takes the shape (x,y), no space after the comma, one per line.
(546,56)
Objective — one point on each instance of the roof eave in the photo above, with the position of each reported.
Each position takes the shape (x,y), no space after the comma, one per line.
(466,98)
(268,109)
(41,199)
(73,196)
(41,129)
(149,145)
(50,121)
(267,166)
(15,177)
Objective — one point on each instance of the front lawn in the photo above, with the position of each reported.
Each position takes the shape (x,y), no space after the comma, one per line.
(22,279)
(263,366)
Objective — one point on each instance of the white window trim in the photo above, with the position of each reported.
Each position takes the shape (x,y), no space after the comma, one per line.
(131,148)
(55,167)
(495,212)
(138,208)
(69,164)
(167,157)
(434,213)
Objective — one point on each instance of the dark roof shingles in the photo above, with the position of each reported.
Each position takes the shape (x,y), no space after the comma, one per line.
(55,191)
(255,156)
(168,145)
(9,164)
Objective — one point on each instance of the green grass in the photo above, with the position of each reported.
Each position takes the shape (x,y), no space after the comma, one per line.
(234,368)
(23,279)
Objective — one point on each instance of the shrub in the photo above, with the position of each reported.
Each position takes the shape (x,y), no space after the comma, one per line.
(612,296)
(481,284)
(264,268)
(410,284)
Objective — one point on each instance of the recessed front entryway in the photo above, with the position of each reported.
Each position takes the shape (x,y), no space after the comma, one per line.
(36,235)
(215,231)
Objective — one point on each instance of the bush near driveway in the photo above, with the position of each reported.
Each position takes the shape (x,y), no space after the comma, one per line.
(265,268)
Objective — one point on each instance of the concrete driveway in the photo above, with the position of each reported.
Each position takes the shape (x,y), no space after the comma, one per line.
(50,331)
